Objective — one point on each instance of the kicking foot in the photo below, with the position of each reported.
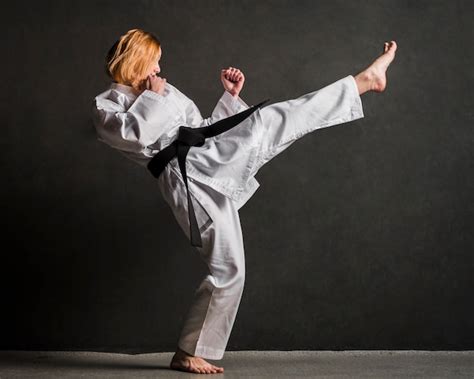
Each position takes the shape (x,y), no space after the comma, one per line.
(373,78)
(183,361)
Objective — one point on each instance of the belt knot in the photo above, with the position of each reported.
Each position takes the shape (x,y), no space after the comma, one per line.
(190,137)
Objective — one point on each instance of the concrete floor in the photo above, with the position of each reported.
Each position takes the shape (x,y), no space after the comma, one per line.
(243,364)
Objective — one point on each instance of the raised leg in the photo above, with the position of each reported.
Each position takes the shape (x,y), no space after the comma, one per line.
(340,102)
(285,122)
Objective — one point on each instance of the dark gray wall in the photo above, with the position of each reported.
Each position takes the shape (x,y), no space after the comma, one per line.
(360,237)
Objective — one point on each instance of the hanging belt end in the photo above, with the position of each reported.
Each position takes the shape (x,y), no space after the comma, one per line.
(196,241)
(153,170)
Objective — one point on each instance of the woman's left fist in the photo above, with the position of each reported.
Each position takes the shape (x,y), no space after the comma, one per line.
(233,80)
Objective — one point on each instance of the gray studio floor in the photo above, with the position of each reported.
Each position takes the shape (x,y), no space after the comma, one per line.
(243,364)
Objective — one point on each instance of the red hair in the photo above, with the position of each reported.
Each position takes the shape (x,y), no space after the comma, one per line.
(131,57)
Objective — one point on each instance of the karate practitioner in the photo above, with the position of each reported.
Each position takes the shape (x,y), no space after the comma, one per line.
(140,114)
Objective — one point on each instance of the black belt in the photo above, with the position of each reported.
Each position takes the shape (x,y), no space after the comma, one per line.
(188,137)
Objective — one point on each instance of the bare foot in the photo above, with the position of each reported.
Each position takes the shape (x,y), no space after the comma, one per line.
(183,361)
(373,78)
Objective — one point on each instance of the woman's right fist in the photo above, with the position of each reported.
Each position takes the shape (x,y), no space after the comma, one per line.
(155,83)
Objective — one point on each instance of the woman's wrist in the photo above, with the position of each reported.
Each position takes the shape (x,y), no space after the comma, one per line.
(234,94)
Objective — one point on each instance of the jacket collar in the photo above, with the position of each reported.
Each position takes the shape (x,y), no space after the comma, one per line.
(128,90)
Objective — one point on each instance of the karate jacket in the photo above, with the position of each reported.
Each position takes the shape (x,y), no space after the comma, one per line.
(139,125)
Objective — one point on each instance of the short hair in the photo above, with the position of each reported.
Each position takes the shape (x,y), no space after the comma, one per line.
(131,56)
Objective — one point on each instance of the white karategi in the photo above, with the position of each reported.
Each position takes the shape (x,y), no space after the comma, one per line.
(220,177)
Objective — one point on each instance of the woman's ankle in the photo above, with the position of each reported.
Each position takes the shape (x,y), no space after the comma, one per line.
(183,353)
(364,82)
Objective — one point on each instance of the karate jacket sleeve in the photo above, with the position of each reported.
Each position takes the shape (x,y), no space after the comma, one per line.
(134,128)
(226,106)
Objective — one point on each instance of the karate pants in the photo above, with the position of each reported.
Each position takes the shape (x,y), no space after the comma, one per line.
(209,321)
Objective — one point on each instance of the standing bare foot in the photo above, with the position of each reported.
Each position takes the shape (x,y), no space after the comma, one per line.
(183,361)
(373,78)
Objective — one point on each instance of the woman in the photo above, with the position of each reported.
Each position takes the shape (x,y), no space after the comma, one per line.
(140,114)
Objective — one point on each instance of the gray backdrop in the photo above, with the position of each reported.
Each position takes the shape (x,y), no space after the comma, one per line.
(360,236)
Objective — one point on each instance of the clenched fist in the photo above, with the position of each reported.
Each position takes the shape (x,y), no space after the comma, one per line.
(154,83)
(233,80)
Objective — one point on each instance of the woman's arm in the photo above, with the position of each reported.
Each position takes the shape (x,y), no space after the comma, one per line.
(138,126)
(229,103)
(226,106)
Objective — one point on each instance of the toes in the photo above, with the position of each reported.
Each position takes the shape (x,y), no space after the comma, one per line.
(389,46)
(189,368)
(202,370)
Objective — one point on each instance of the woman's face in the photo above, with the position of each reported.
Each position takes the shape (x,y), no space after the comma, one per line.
(155,68)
